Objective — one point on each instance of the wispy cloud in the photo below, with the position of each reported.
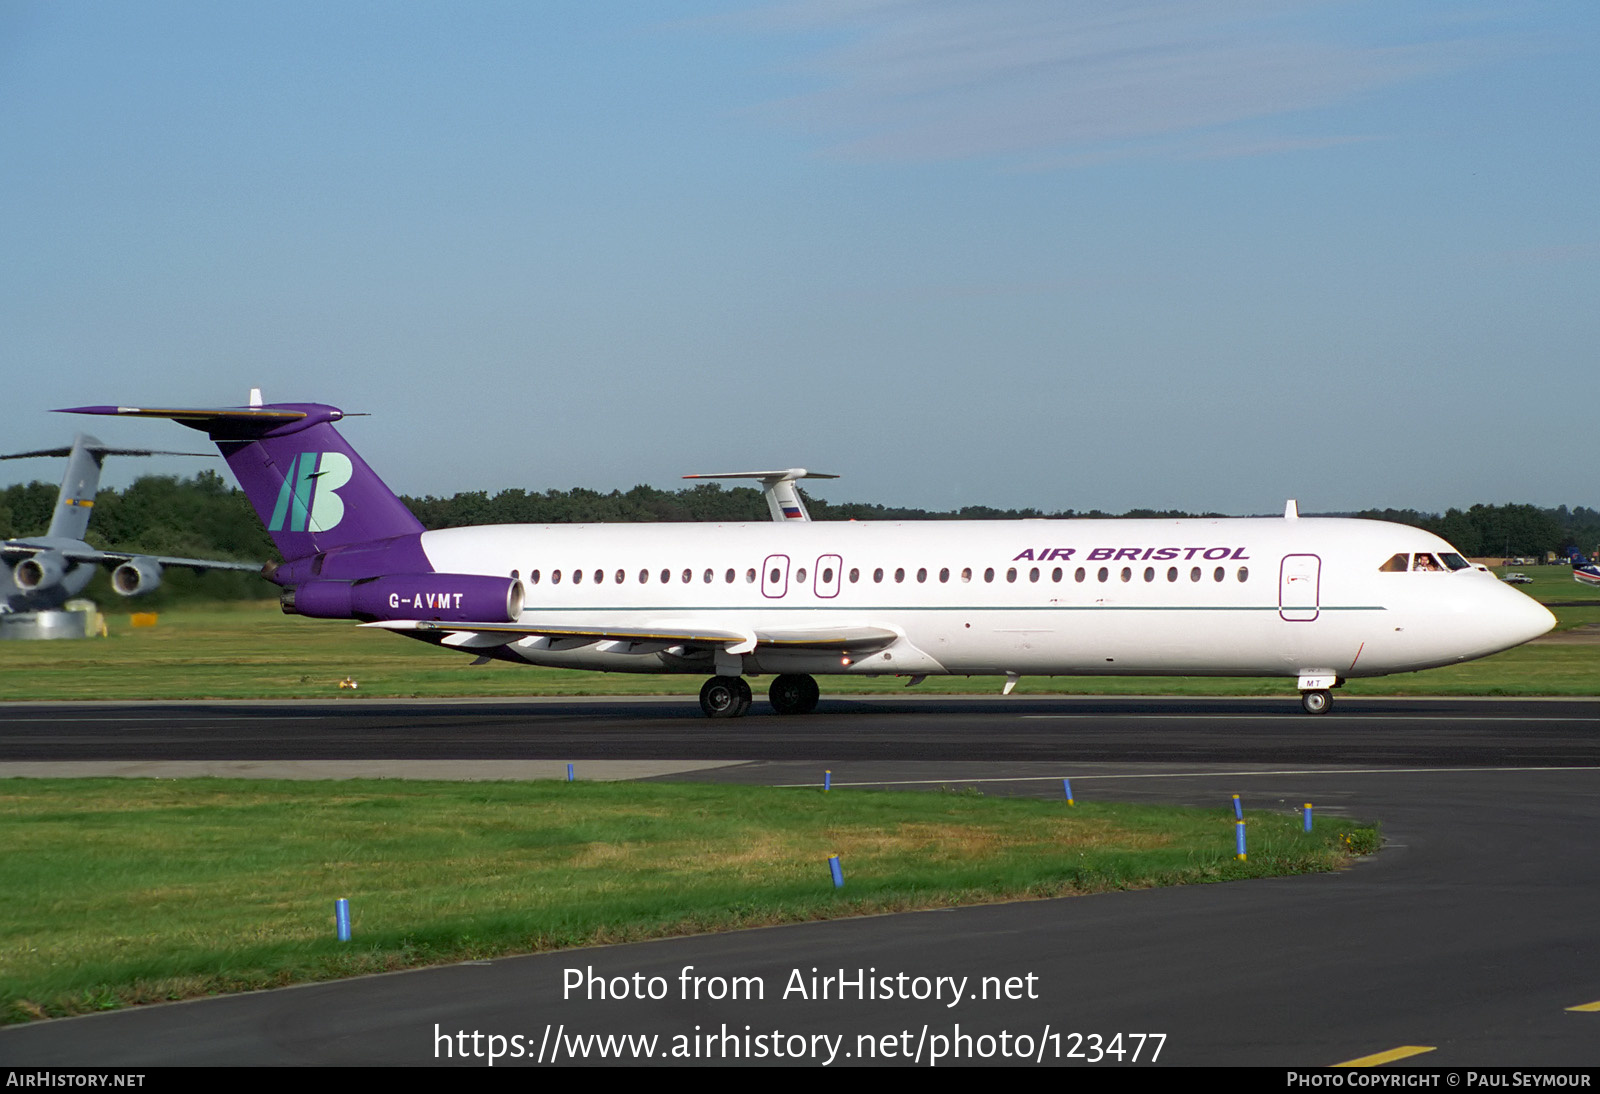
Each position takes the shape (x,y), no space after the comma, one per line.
(922,80)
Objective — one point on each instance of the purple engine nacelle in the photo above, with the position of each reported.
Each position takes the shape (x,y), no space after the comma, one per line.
(450,598)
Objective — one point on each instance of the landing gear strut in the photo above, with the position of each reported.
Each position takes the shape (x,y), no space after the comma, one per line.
(1316,701)
(793,694)
(725,697)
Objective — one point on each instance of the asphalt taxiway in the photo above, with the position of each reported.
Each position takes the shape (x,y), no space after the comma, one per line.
(1470,934)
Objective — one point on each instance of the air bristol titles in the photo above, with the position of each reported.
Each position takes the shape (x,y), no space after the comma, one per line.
(1313,601)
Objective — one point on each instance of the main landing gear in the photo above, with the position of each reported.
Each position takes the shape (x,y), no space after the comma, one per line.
(793,694)
(725,697)
(729,696)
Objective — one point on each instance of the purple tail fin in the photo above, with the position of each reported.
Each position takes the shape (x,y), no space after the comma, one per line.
(308,486)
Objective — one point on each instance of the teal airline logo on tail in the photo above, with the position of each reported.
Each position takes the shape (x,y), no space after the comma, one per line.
(309,499)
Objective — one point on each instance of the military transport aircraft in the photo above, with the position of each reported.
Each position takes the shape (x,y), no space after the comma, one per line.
(41,573)
(1314,601)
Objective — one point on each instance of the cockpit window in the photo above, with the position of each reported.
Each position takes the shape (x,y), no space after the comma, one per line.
(1399,564)
(1424,562)
(1455,561)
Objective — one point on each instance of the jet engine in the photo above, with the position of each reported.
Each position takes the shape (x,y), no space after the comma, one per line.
(454,598)
(43,570)
(136,576)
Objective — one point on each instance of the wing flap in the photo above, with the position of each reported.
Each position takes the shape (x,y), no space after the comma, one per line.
(734,640)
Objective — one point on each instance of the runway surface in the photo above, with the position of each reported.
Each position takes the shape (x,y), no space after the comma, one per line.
(1470,934)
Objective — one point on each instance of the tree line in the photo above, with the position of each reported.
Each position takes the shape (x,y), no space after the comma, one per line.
(204,517)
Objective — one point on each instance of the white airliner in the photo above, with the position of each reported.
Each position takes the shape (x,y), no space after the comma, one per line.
(1315,601)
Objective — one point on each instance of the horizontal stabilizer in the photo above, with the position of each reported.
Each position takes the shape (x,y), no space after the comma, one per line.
(194,415)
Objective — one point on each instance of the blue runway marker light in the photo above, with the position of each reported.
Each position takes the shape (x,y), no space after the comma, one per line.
(1308,816)
(1238,808)
(569,772)
(838,871)
(341,917)
(1066,791)
(827,784)
(1238,831)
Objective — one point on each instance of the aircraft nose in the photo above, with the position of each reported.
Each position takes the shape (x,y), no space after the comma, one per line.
(1522,619)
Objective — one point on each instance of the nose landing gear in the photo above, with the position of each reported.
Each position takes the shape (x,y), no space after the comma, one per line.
(1316,701)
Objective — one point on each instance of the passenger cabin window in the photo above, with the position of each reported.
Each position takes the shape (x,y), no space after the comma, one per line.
(533,577)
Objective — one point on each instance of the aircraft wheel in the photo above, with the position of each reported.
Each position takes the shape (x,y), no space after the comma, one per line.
(1316,701)
(794,694)
(725,697)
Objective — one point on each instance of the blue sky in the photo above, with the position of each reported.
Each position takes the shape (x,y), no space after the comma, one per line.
(1202,255)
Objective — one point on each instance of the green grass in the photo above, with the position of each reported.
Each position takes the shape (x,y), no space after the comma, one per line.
(254,651)
(126,891)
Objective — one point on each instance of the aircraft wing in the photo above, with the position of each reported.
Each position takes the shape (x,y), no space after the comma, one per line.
(15,549)
(833,639)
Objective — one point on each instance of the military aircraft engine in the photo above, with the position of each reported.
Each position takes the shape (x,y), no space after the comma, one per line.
(136,576)
(43,570)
